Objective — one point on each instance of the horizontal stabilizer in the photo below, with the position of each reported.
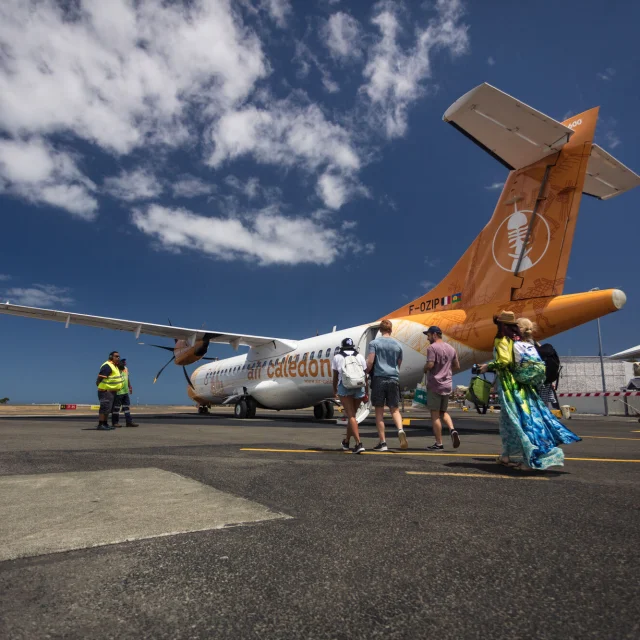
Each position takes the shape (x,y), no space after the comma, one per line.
(178,333)
(511,131)
(606,176)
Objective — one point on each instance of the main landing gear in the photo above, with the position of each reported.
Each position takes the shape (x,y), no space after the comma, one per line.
(203,409)
(323,411)
(245,408)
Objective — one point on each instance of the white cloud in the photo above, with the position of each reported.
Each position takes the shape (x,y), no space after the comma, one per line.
(266,238)
(305,58)
(342,35)
(138,184)
(349,224)
(252,189)
(607,74)
(131,72)
(395,78)
(39,295)
(191,187)
(289,134)
(612,139)
(278,10)
(4,277)
(495,185)
(427,284)
(491,61)
(34,171)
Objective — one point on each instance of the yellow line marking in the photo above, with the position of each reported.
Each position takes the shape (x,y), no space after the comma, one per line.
(610,438)
(375,453)
(418,453)
(472,475)
(406,422)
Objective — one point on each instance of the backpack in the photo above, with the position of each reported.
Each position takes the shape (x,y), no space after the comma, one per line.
(528,367)
(352,371)
(551,360)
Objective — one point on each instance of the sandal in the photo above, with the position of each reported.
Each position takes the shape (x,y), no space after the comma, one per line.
(509,463)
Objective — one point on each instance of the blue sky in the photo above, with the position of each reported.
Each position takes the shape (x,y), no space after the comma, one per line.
(276,167)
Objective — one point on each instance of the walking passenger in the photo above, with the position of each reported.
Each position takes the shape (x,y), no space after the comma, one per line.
(530,433)
(545,391)
(350,385)
(384,359)
(123,398)
(109,383)
(442,360)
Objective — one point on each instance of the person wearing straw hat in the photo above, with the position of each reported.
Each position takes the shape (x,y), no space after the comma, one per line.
(530,433)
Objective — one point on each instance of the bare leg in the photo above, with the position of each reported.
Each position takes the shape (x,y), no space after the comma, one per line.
(447,420)
(436,425)
(349,405)
(397,417)
(380,423)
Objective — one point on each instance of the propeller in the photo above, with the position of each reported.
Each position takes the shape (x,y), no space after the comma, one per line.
(163,368)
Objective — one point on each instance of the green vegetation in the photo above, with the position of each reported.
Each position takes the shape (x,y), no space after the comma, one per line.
(4,400)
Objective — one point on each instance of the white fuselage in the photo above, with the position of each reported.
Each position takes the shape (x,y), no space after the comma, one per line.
(302,377)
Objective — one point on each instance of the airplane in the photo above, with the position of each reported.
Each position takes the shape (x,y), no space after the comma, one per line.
(517,263)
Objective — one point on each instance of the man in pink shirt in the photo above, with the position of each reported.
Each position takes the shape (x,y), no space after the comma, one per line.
(442,360)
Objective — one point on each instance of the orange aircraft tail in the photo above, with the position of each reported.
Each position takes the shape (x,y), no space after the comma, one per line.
(524,250)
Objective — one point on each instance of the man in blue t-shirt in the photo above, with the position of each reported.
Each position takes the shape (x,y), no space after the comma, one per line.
(384,358)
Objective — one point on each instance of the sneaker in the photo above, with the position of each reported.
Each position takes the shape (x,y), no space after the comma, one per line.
(359,448)
(381,446)
(435,447)
(455,438)
(132,424)
(104,427)
(402,436)
(115,425)
(345,445)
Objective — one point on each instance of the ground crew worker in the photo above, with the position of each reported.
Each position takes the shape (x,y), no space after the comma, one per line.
(123,399)
(109,383)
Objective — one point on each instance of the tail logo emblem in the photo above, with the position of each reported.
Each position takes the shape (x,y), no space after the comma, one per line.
(508,243)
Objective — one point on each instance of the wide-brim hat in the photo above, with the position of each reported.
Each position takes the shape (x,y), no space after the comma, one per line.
(505,317)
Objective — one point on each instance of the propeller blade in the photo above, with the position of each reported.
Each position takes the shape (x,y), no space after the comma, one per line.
(186,375)
(214,359)
(163,368)
(157,346)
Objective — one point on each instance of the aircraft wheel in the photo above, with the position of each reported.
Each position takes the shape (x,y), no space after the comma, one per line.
(200,409)
(329,410)
(319,411)
(251,408)
(240,410)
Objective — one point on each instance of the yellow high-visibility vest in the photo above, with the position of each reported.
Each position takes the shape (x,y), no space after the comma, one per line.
(114,381)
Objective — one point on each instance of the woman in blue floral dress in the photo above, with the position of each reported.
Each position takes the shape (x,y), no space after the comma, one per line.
(530,432)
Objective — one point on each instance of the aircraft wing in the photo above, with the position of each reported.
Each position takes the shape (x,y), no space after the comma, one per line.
(514,133)
(607,177)
(628,354)
(165,331)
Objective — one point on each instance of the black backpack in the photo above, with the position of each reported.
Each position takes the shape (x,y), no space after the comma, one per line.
(551,361)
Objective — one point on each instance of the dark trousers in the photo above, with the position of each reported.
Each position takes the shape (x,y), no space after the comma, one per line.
(122,402)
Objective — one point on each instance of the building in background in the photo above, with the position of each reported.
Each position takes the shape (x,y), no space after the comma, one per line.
(582,374)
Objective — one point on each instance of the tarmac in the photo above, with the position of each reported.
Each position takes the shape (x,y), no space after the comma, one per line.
(204,526)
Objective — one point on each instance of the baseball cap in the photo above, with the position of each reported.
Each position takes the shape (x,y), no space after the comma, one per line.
(433,329)
(347,342)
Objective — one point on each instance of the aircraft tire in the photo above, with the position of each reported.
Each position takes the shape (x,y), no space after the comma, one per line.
(251,408)
(320,411)
(240,410)
(329,410)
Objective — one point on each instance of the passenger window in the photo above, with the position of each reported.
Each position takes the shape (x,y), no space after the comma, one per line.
(337,349)
(270,363)
(264,364)
(304,357)
(328,354)
(311,357)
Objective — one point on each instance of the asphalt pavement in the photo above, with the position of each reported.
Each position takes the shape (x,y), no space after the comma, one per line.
(208,527)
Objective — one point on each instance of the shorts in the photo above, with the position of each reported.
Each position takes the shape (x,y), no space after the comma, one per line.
(122,400)
(354,393)
(107,400)
(385,391)
(437,401)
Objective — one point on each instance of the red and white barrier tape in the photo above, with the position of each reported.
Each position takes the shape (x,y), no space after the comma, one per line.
(595,394)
